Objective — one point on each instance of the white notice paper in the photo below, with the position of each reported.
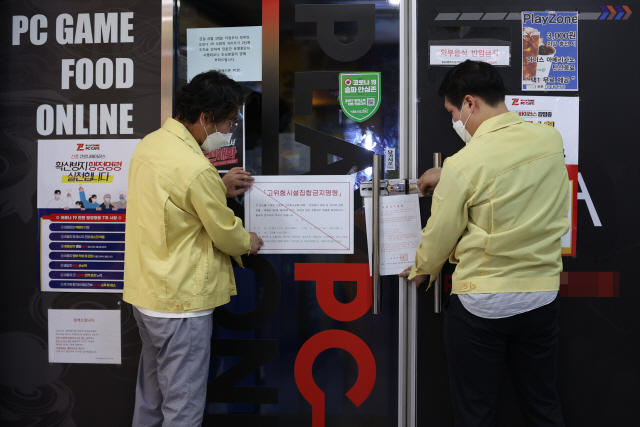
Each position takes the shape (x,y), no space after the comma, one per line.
(84,336)
(453,55)
(400,232)
(302,214)
(234,51)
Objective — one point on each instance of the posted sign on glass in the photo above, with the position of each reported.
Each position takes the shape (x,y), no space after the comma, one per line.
(550,51)
(360,94)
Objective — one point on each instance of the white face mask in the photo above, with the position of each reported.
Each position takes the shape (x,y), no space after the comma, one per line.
(460,127)
(215,140)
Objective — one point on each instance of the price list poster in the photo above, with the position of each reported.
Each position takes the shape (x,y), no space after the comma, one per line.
(82,199)
(550,51)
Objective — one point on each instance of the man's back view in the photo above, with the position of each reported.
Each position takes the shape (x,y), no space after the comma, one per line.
(499,211)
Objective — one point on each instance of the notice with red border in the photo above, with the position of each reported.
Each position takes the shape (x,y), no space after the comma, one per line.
(302,214)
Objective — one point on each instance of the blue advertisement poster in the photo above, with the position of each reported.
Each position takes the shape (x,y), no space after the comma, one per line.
(82,205)
(550,51)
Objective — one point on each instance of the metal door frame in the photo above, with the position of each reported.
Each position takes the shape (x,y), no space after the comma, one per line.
(408,148)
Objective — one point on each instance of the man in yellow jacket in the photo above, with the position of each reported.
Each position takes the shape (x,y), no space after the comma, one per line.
(179,238)
(499,210)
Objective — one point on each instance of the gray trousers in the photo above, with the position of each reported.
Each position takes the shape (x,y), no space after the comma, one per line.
(172,376)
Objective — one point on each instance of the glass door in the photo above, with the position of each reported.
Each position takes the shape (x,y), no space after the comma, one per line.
(299,345)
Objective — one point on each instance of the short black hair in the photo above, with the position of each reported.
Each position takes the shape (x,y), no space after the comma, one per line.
(57,192)
(209,92)
(473,78)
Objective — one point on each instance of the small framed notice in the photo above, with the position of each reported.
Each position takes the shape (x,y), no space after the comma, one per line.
(84,336)
(453,55)
(234,51)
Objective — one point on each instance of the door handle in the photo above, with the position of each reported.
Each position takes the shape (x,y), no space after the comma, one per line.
(437,285)
(375,191)
(377,299)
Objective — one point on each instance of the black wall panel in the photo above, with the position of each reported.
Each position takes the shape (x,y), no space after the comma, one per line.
(32,391)
(600,337)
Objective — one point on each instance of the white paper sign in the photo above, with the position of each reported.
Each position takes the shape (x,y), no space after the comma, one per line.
(560,112)
(302,214)
(453,55)
(234,51)
(399,232)
(84,336)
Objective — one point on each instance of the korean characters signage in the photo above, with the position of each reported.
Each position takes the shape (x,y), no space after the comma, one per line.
(234,51)
(360,95)
(562,113)
(453,55)
(82,202)
(302,214)
(85,336)
(550,51)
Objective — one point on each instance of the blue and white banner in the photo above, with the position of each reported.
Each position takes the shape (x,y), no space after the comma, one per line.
(550,51)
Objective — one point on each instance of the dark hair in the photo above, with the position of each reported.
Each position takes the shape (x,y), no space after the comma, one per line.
(80,203)
(209,92)
(473,78)
(57,192)
(93,196)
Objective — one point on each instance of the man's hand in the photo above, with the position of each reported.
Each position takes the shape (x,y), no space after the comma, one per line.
(256,243)
(237,177)
(81,188)
(417,280)
(429,180)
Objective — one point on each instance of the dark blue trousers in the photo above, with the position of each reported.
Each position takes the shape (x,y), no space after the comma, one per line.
(477,350)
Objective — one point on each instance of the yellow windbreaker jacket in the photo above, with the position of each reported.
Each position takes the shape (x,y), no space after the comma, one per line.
(500,210)
(179,232)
